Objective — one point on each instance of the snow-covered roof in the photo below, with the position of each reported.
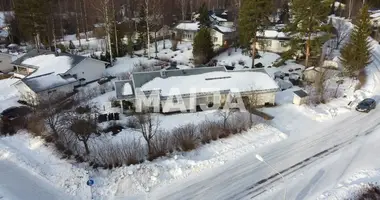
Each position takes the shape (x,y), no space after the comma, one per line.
(127,89)
(124,89)
(47,82)
(212,82)
(272,34)
(219,19)
(375,15)
(50,63)
(188,26)
(224,29)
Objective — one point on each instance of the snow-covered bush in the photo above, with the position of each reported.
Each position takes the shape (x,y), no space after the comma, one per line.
(370,191)
(186,137)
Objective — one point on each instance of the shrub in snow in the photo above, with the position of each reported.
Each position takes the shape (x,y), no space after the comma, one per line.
(186,137)
(108,155)
(162,144)
(368,192)
(241,62)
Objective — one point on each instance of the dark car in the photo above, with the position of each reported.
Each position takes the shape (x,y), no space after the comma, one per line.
(366,105)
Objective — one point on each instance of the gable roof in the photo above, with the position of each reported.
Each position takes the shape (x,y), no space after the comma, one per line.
(140,78)
(47,81)
(122,86)
(224,29)
(300,93)
(33,53)
(188,26)
(220,81)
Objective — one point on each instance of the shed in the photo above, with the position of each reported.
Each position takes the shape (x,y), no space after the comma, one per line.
(300,97)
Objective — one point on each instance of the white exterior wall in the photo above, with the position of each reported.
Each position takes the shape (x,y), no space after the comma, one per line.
(5,63)
(89,69)
(191,104)
(217,38)
(264,98)
(187,36)
(272,45)
(26,93)
(175,107)
(62,90)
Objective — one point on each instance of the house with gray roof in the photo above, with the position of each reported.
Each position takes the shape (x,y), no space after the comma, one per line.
(45,73)
(174,90)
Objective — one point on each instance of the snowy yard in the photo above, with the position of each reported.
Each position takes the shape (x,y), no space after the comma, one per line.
(225,168)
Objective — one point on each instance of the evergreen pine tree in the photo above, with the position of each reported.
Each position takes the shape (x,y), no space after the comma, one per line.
(309,17)
(356,55)
(284,14)
(203,46)
(204,19)
(254,16)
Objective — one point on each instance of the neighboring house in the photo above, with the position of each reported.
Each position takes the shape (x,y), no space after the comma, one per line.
(3,36)
(221,35)
(186,30)
(47,73)
(196,87)
(5,63)
(223,31)
(375,18)
(164,32)
(273,40)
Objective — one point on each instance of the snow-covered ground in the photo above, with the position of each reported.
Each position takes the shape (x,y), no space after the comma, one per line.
(325,151)
(8,94)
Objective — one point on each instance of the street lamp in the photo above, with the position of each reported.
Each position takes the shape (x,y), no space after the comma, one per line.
(261,159)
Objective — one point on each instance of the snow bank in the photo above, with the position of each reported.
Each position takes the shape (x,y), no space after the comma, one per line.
(348,188)
(33,155)
(135,181)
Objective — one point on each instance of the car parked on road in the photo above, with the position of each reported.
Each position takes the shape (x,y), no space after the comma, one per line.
(366,105)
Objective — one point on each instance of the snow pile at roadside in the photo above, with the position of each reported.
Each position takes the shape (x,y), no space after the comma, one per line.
(33,155)
(348,188)
(135,180)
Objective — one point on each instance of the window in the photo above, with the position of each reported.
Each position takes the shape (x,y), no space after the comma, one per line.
(283,43)
(175,100)
(215,39)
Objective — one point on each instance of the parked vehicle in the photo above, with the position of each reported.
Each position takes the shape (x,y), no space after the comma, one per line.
(366,105)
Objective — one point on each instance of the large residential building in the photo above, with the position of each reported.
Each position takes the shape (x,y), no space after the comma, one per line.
(196,87)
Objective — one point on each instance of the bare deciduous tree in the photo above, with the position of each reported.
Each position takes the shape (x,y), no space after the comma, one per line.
(83,126)
(148,125)
(342,32)
(225,114)
(103,7)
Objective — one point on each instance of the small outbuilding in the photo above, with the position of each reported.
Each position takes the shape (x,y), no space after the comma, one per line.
(300,97)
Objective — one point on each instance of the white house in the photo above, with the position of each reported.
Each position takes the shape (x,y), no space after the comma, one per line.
(48,73)
(196,87)
(5,63)
(221,35)
(273,40)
